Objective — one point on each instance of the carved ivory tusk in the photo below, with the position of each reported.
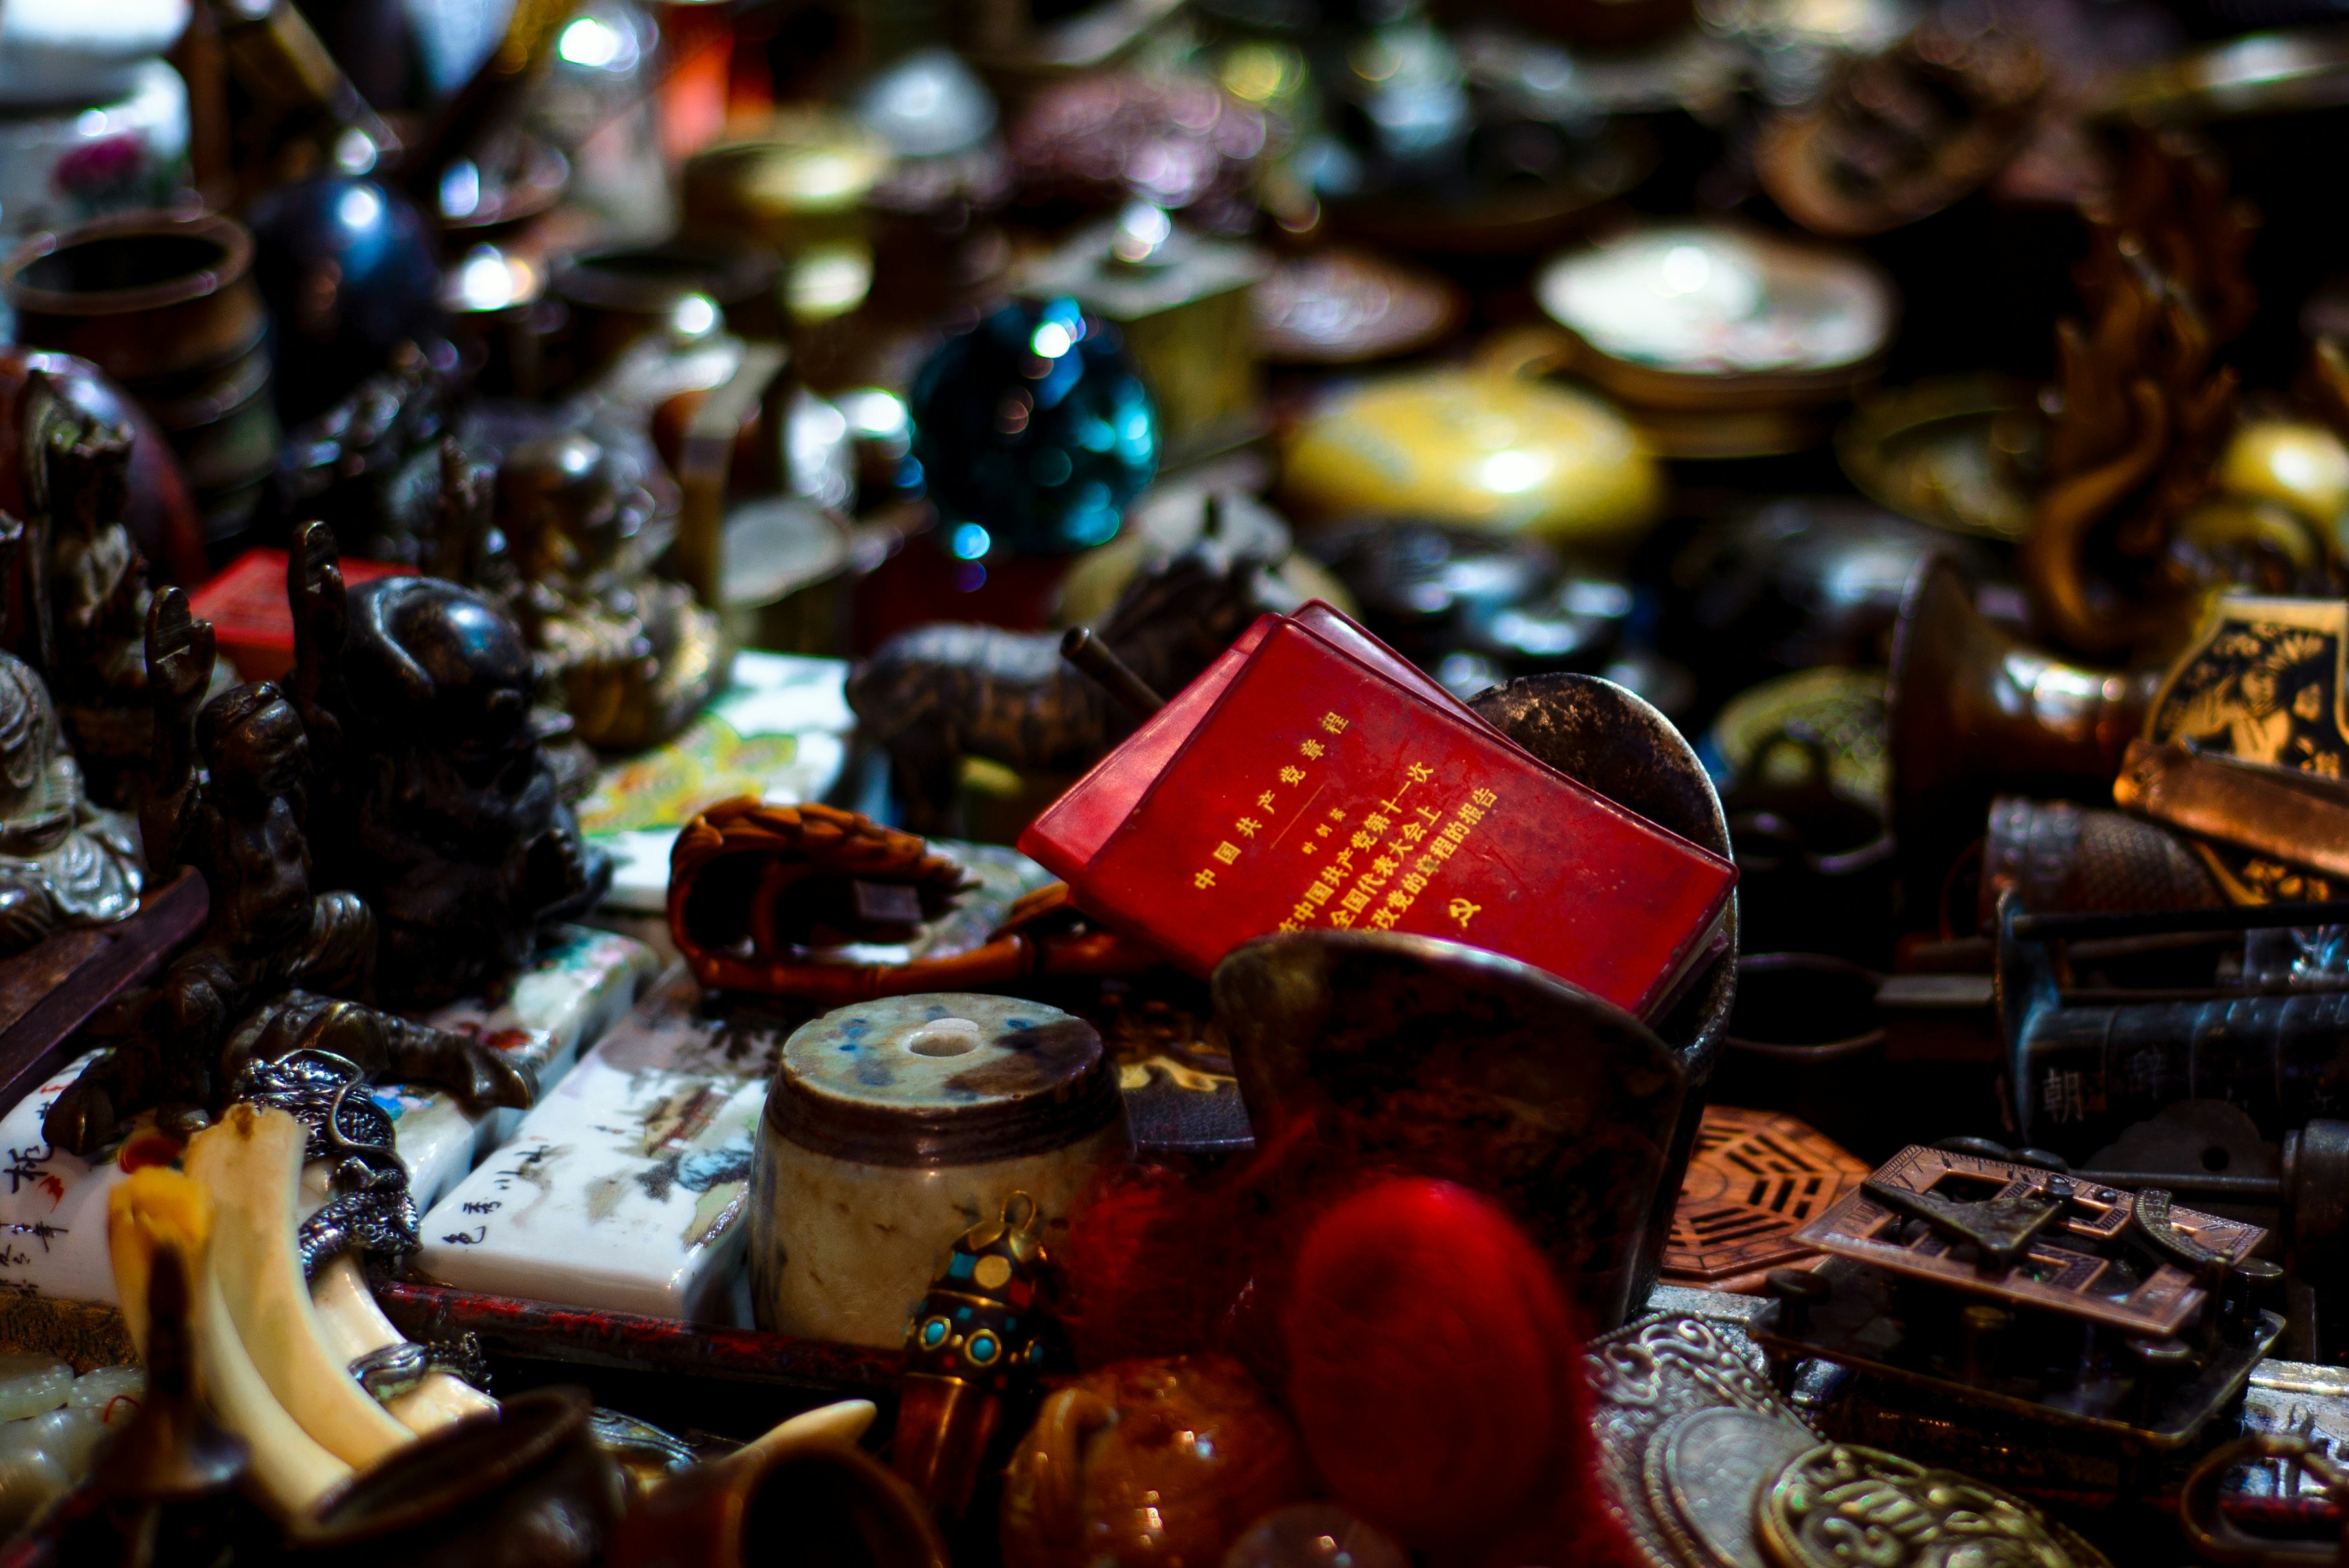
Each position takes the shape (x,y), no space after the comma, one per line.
(352,1325)
(158,1208)
(251,1163)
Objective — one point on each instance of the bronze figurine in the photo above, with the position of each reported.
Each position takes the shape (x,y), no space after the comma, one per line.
(555,517)
(249,986)
(2143,410)
(88,595)
(365,465)
(438,807)
(635,657)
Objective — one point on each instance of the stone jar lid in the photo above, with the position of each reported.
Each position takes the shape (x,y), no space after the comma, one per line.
(942,1078)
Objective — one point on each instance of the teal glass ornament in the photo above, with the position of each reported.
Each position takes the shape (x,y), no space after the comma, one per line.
(1033,430)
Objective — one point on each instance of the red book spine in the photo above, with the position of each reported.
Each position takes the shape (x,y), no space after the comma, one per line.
(1319,794)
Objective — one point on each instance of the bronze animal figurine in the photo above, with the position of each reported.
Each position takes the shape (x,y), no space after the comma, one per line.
(2145,409)
(271,944)
(936,694)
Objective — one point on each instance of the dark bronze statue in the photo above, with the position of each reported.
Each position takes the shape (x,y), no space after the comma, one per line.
(369,465)
(2115,553)
(934,695)
(438,807)
(88,595)
(555,515)
(253,982)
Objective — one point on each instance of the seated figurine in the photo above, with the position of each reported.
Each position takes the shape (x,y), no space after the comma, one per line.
(367,465)
(437,804)
(63,861)
(635,656)
(555,516)
(269,942)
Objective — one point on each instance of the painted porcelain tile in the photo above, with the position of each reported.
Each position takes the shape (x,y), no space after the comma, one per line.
(568,999)
(52,1209)
(624,1188)
(53,1204)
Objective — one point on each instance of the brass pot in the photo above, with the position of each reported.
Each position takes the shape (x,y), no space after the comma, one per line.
(1147,1464)
(793,1497)
(168,307)
(526,1486)
(141,296)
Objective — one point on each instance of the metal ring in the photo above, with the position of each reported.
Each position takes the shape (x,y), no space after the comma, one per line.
(2218,1539)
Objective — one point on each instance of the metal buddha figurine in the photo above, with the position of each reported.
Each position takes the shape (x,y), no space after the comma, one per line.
(63,861)
(244,990)
(635,656)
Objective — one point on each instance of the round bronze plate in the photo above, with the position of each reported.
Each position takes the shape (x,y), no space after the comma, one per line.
(1705,1472)
(1840,1504)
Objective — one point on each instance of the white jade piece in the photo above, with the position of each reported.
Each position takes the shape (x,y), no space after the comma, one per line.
(114,1393)
(29,1478)
(68,1436)
(32,1383)
(624,1189)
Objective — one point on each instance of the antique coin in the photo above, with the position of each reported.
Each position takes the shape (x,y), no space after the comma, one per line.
(1840,1504)
(1644,1376)
(1705,1471)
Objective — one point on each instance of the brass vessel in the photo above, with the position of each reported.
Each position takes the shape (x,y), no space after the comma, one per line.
(1971,711)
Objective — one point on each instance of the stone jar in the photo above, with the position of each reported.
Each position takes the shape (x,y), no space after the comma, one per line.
(894,1125)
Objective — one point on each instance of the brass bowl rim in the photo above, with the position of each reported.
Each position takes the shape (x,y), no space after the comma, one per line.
(235,264)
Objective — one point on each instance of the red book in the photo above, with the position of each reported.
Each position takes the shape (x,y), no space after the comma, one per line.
(1311,780)
(246,605)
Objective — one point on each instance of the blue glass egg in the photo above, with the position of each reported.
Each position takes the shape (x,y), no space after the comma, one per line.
(350,269)
(1033,430)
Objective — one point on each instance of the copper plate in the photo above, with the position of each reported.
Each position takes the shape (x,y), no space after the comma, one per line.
(1341,306)
(1755,1178)
(1954,451)
(2059,1278)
